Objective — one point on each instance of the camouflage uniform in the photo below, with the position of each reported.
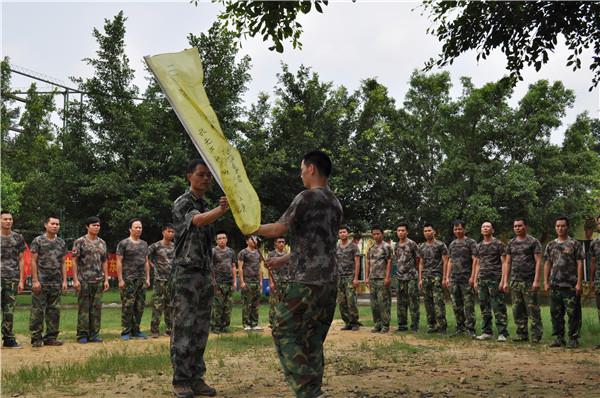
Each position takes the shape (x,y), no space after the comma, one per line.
(281,276)
(381,297)
(223,261)
(490,295)
(303,317)
(431,277)
(462,294)
(346,295)
(408,284)
(595,249)
(90,255)
(563,257)
(251,294)
(11,249)
(192,291)
(524,300)
(46,304)
(161,256)
(133,297)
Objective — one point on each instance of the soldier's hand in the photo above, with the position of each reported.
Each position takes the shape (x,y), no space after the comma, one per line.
(243,286)
(223,203)
(420,285)
(147,283)
(472,282)
(121,284)
(367,282)
(271,286)
(546,286)
(506,287)
(77,285)
(476,285)
(64,286)
(36,287)
(535,287)
(387,282)
(578,289)
(106,286)
(21,287)
(355,283)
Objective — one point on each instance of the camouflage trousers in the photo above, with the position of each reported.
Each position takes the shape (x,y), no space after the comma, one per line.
(302,321)
(381,303)
(45,306)
(89,304)
(133,300)
(463,304)
(161,304)
(275,297)
(346,298)
(435,306)
(222,304)
(491,298)
(192,298)
(408,298)
(251,300)
(597,289)
(565,301)
(525,303)
(8,292)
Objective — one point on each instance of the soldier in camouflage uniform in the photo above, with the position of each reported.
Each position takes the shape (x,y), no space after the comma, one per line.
(49,277)
(407,255)
(133,272)
(278,279)
(491,255)
(193,289)
(595,270)
(563,277)
(432,268)
(378,272)
(460,278)
(90,279)
(348,263)
(224,268)
(160,256)
(304,315)
(523,265)
(250,283)
(12,276)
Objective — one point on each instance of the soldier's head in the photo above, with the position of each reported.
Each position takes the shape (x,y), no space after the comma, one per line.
(168,232)
(52,225)
(251,241)
(199,176)
(135,228)
(458,228)
(402,230)
(598,222)
(92,225)
(6,220)
(377,233)
(356,237)
(520,226)
(280,243)
(221,239)
(487,228)
(315,168)
(561,226)
(428,232)
(588,228)
(343,233)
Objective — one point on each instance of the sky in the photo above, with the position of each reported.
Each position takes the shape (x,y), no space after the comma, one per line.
(349,42)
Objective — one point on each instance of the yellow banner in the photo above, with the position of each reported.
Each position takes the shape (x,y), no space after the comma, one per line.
(181,78)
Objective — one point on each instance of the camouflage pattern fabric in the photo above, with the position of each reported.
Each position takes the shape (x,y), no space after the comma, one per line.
(8,292)
(275,297)
(134,255)
(408,298)
(381,303)
(51,254)
(222,262)
(597,289)
(222,305)
(282,273)
(461,252)
(406,255)
(345,256)
(89,313)
(563,257)
(302,320)
(161,256)
(595,250)
(525,304)
(347,301)
(433,261)
(192,301)
(45,306)
(313,220)
(251,300)
(435,306)
(133,299)
(522,253)
(565,301)
(491,298)
(378,255)
(490,259)
(161,304)
(251,267)
(11,248)
(90,254)
(463,304)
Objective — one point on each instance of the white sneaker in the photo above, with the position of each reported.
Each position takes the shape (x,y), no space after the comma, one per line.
(247,328)
(502,338)
(484,336)
(257,328)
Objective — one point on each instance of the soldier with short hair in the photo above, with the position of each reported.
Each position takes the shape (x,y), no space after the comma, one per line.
(522,267)
(563,276)
(224,268)
(278,278)
(90,280)
(407,255)
(48,279)
(160,257)
(378,277)
(12,275)
(348,264)
(250,282)
(595,270)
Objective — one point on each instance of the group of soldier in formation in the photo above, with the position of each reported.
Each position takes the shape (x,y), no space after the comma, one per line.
(194,280)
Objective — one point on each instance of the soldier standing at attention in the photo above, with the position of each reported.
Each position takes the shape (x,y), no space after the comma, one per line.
(278,278)
(407,260)
(491,254)
(133,271)
(250,283)
(563,276)
(378,272)
(595,270)
(160,256)
(432,268)
(90,279)
(224,268)
(48,278)
(12,275)
(460,277)
(523,266)
(303,317)
(193,289)
(348,263)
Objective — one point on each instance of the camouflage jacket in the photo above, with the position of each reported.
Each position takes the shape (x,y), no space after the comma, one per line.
(251,267)
(223,261)
(563,257)
(161,256)
(490,259)
(595,249)
(51,254)
(522,254)
(11,248)
(281,274)
(378,256)
(433,260)
(461,254)
(406,256)
(134,256)
(345,256)
(90,254)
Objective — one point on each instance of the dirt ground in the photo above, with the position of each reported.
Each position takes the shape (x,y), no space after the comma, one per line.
(358,364)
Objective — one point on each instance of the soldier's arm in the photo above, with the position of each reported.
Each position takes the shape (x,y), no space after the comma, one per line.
(547,269)
(388,273)
(578,286)
(241,273)
(272,230)
(105,272)
(420,268)
(592,271)
(367,269)
(76,283)
(35,282)
(538,269)
(202,219)
(356,270)
(234,274)
(120,271)
(474,269)
(21,285)
(448,271)
(64,273)
(445,261)
(147,272)
(506,272)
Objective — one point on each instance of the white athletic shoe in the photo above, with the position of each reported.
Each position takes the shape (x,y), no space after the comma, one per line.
(247,328)
(502,338)
(257,328)
(484,336)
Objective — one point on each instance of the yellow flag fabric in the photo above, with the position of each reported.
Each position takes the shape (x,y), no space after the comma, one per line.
(181,78)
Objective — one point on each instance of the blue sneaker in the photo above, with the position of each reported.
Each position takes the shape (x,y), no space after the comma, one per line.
(82,340)
(125,336)
(140,335)
(95,339)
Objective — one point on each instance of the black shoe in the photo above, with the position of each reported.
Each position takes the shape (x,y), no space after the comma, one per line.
(401,329)
(520,339)
(355,328)
(414,330)
(432,330)
(458,333)
(53,342)
(346,327)
(573,343)
(597,347)
(471,334)
(442,331)
(37,343)
(535,340)
(557,343)
(12,344)
(385,330)
(203,389)
(183,392)
(375,330)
